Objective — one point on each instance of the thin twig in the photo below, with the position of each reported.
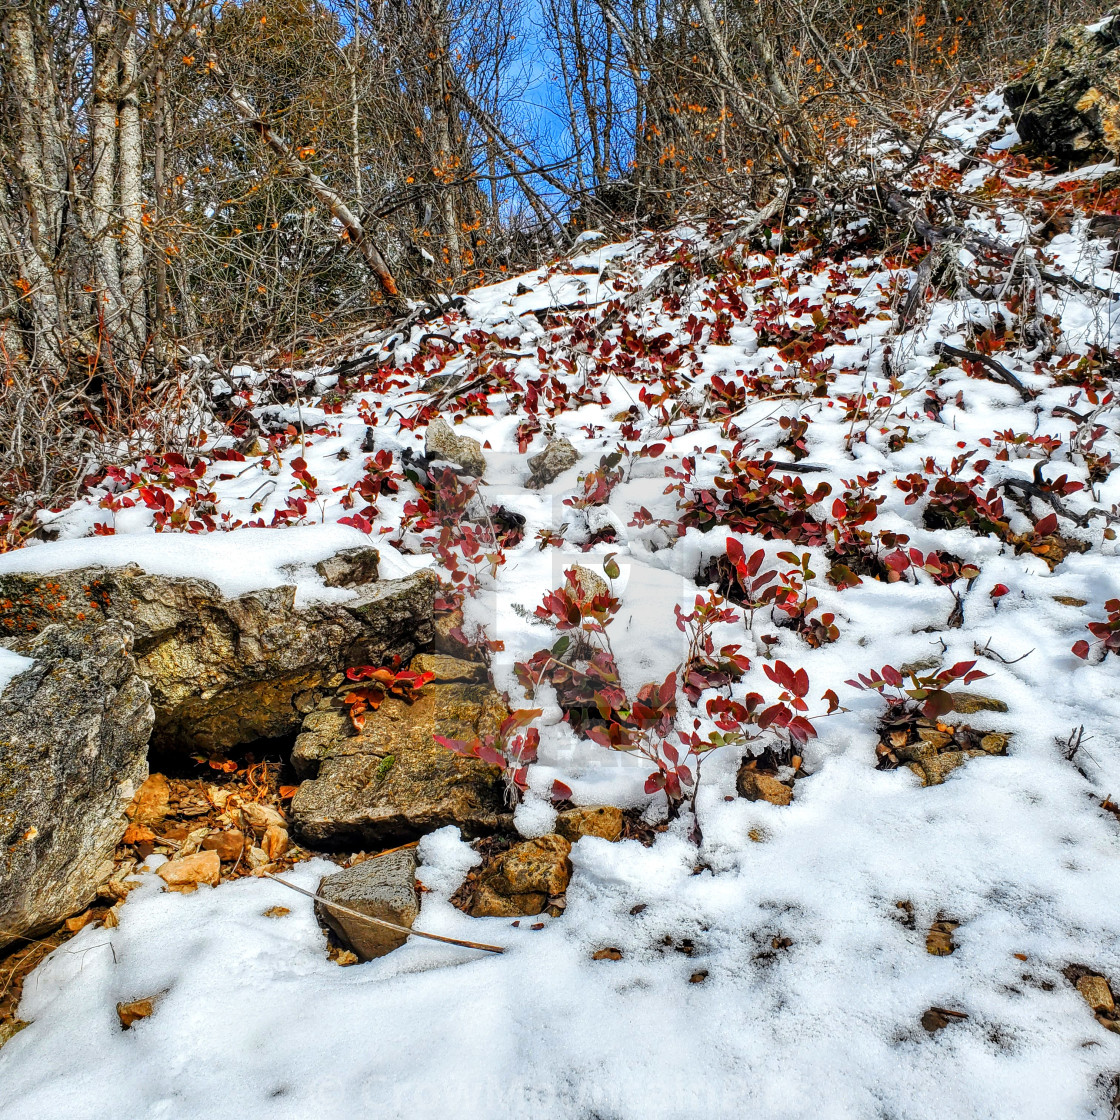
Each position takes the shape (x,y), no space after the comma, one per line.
(382,921)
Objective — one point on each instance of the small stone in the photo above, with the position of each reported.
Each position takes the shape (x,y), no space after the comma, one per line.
(521,881)
(1097,994)
(608,954)
(383,887)
(350,567)
(258,858)
(968,703)
(229,845)
(449,669)
(755,785)
(276,912)
(939,740)
(151,803)
(205,867)
(939,940)
(275,841)
(590,820)
(342,957)
(698,977)
(1069,600)
(442,442)
(995,742)
(134,1011)
(552,462)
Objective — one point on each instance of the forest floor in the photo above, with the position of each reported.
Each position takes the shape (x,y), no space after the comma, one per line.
(919,435)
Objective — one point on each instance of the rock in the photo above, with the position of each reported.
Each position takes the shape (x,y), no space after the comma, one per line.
(755,785)
(939,940)
(441,442)
(520,881)
(1097,994)
(995,742)
(551,463)
(73,751)
(227,671)
(275,842)
(151,803)
(1069,600)
(277,912)
(449,669)
(934,768)
(229,845)
(350,567)
(134,1011)
(445,641)
(1066,106)
(590,820)
(383,887)
(203,867)
(392,782)
(967,703)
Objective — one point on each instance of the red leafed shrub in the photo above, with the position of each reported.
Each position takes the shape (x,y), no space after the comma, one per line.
(510,750)
(402,683)
(1107,633)
(943,567)
(927,693)
(750,498)
(703,667)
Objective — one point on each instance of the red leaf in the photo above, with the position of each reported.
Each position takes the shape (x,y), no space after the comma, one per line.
(1081,649)
(560,792)
(998,590)
(1049,524)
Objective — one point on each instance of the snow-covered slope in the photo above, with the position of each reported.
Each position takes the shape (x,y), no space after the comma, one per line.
(769,971)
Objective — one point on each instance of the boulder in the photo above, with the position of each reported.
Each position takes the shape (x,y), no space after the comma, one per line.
(521,881)
(590,820)
(392,782)
(73,751)
(227,671)
(551,463)
(1067,105)
(442,442)
(383,887)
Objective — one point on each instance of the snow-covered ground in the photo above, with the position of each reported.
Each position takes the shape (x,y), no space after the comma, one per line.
(814,979)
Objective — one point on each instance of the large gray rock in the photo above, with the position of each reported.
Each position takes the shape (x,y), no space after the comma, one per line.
(392,782)
(383,887)
(1067,106)
(73,750)
(227,671)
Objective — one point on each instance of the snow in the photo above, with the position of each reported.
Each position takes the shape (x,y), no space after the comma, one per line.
(255,1020)
(11,665)
(237,563)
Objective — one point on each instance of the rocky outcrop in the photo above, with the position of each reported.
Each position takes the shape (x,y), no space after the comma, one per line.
(1067,106)
(551,463)
(383,887)
(392,782)
(228,671)
(442,442)
(73,750)
(524,879)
